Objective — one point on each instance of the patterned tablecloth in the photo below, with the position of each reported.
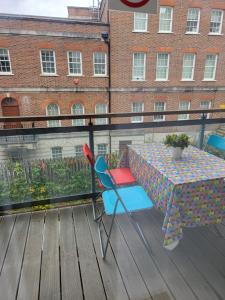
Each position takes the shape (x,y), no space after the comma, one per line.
(190,192)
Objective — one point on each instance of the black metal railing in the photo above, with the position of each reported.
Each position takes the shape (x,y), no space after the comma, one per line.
(33,128)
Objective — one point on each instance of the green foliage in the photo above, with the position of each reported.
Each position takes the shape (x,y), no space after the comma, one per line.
(175,140)
(18,188)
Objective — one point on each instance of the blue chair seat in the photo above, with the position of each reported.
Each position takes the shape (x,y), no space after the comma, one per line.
(134,198)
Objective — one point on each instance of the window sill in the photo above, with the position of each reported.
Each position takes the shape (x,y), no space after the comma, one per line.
(6,74)
(100,76)
(137,31)
(188,80)
(210,80)
(74,75)
(192,33)
(159,120)
(216,34)
(133,122)
(166,32)
(161,80)
(49,75)
(138,80)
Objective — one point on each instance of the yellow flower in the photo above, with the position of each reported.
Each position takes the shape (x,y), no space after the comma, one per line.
(42,189)
(31,189)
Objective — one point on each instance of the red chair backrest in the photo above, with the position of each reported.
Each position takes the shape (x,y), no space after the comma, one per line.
(88,154)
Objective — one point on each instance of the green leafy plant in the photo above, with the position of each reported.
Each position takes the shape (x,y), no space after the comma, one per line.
(174,140)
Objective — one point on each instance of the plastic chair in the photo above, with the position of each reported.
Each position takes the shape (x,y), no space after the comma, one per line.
(217,142)
(121,176)
(125,200)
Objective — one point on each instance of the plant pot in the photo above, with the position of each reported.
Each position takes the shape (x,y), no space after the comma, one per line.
(177,153)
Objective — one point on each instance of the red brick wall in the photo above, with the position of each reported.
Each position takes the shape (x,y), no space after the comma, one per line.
(124,42)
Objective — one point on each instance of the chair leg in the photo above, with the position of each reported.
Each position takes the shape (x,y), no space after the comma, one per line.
(140,232)
(105,248)
(94,208)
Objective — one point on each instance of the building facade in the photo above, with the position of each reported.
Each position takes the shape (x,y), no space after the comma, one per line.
(97,61)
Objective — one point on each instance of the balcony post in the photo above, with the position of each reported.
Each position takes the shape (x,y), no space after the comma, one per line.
(93,186)
(202,131)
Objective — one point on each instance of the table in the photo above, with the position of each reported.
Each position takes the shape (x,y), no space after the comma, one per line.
(190,192)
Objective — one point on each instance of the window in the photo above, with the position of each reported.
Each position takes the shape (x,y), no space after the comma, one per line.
(162,67)
(140,22)
(216,21)
(102,149)
(184,105)
(101,108)
(53,110)
(210,67)
(78,109)
(79,151)
(159,106)
(75,63)
(205,105)
(48,62)
(193,19)
(165,19)
(57,152)
(188,66)
(139,60)
(137,107)
(5,65)
(100,64)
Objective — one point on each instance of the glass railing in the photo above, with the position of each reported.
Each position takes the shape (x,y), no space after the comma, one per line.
(42,165)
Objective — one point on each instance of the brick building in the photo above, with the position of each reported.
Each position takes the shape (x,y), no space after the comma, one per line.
(172,60)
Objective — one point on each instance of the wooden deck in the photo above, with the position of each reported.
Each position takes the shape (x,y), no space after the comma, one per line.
(56,255)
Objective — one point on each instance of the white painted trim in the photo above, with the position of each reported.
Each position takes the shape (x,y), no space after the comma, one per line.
(106,65)
(81,64)
(44,73)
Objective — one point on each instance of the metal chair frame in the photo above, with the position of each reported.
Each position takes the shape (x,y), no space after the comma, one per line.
(129,214)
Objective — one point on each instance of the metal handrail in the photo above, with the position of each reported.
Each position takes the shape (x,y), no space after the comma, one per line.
(108,116)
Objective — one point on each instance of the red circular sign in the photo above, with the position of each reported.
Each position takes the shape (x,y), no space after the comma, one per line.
(135,4)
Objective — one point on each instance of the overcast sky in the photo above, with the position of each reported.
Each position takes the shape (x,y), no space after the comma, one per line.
(55,8)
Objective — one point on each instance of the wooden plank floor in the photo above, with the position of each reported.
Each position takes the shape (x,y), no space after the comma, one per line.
(56,255)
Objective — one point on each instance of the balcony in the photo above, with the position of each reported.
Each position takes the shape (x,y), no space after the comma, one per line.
(55,253)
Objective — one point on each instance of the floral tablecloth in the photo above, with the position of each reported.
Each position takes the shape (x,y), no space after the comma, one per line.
(190,192)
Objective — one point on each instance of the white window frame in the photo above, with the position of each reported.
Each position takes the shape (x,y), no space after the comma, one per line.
(9,60)
(171,20)
(57,147)
(135,78)
(221,23)
(100,75)
(214,70)
(101,121)
(106,150)
(184,116)
(52,121)
(198,21)
(138,119)
(210,105)
(79,153)
(155,118)
(136,18)
(82,121)
(191,66)
(42,71)
(81,63)
(167,67)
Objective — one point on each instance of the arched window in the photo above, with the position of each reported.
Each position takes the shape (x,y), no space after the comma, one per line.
(101,108)
(53,110)
(78,109)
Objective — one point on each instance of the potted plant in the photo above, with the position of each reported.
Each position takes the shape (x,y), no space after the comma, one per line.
(178,142)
